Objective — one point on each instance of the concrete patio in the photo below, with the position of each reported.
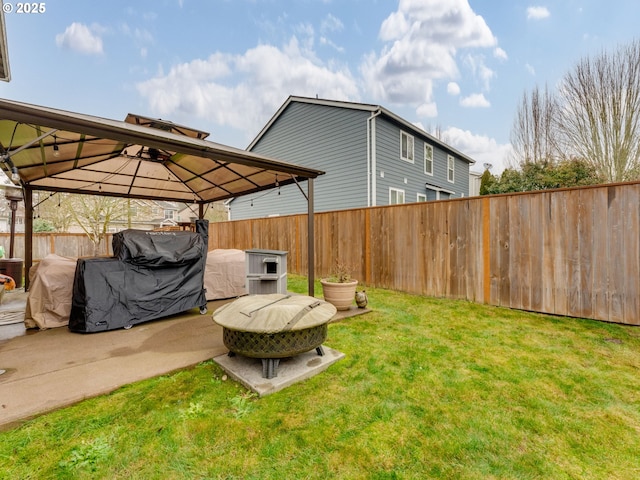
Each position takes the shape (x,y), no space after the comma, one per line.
(49,369)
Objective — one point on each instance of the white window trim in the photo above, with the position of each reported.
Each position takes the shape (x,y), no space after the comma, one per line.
(397,190)
(451,169)
(413,147)
(421,197)
(428,147)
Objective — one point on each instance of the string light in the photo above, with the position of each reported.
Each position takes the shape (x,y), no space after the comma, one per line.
(56,149)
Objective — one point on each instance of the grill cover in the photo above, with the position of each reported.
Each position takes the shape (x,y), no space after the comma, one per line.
(274,313)
(153,274)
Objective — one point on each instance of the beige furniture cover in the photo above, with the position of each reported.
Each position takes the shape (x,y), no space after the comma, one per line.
(50,292)
(225,274)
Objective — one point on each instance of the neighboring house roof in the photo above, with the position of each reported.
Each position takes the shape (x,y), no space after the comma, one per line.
(374,109)
(167,205)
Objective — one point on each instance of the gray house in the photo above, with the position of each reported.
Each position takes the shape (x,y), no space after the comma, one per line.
(370,155)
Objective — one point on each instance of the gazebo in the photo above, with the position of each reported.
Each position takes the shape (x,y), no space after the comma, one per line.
(47,149)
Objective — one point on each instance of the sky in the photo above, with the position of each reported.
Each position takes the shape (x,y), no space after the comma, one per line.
(459,67)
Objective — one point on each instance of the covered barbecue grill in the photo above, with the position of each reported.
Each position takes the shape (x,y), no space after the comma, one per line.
(274,326)
(152,275)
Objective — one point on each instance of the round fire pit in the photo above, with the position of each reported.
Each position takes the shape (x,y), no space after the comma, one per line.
(272,327)
(274,345)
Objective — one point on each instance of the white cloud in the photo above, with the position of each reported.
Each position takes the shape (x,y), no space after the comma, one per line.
(243,91)
(329,43)
(427,110)
(500,54)
(453,88)
(422,38)
(475,100)
(481,148)
(530,68)
(141,38)
(80,38)
(537,13)
(331,24)
(479,69)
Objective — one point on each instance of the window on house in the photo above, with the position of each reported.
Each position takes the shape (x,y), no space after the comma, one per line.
(450,169)
(428,159)
(422,197)
(406,147)
(133,211)
(396,196)
(169,214)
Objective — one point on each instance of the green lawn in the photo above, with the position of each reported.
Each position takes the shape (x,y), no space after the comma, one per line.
(429,388)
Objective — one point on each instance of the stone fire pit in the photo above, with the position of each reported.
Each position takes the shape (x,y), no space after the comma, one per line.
(275,326)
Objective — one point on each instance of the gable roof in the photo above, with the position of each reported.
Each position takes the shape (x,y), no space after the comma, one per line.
(367,107)
(58,150)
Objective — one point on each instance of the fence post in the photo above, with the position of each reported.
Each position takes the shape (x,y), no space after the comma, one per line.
(486,249)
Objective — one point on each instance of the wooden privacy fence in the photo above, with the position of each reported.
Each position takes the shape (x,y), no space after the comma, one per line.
(573,252)
(63,244)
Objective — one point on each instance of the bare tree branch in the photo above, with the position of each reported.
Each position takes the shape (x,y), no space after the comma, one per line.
(533,135)
(599,118)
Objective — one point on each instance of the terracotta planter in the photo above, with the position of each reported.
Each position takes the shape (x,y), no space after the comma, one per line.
(340,295)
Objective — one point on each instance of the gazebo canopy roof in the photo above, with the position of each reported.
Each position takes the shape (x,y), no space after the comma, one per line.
(58,150)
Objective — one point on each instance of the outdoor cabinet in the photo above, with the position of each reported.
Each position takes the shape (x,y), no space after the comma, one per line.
(266,271)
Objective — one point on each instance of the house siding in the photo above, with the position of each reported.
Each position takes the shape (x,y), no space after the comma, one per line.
(330,139)
(410,177)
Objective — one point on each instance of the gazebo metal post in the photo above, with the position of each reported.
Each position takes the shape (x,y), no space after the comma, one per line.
(28,235)
(311,257)
(13,205)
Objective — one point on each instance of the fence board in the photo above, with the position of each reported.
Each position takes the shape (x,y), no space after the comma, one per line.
(631,265)
(558,230)
(547,272)
(601,261)
(516,249)
(456,253)
(585,251)
(500,251)
(536,254)
(616,251)
(573,253)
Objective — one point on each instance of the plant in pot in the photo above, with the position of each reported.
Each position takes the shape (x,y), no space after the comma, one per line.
(339,288)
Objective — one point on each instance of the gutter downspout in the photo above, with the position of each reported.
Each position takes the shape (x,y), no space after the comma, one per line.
(371,158)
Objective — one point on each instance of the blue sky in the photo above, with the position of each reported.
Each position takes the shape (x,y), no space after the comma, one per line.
(225,67)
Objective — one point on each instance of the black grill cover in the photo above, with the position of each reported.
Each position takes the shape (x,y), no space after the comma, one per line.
(152,275)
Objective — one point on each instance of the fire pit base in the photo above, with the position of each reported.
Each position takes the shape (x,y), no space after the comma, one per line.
(270,365)
(248,371)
